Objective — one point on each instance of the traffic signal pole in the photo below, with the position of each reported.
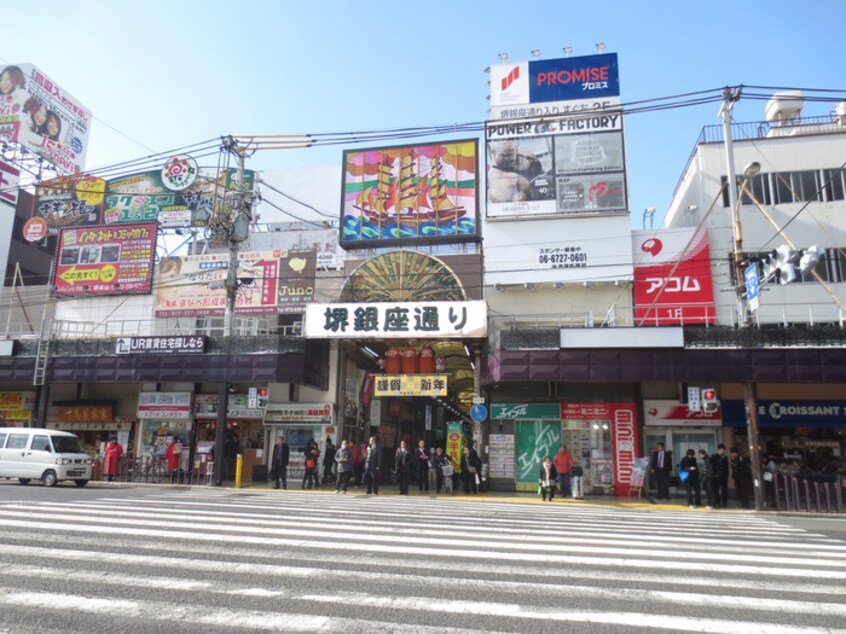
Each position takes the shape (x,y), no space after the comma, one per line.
(750,391)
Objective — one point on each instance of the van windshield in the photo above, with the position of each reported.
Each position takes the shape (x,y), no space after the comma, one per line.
(66,444)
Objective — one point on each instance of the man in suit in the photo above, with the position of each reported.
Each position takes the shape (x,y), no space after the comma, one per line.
(662,463)
(720,475)
(421,465)
(279,463)
(403,468)
(372,466)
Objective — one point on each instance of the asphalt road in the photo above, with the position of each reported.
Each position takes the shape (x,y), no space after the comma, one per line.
(124,559)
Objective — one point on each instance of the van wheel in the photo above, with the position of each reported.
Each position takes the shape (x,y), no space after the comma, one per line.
(81,483)
(49,478)
(24,480)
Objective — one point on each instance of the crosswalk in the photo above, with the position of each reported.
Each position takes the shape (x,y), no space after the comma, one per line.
(211,560)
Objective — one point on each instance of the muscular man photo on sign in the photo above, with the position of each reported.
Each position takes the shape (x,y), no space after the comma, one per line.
(516,172)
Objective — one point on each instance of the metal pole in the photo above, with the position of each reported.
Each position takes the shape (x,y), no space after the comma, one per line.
(750,396)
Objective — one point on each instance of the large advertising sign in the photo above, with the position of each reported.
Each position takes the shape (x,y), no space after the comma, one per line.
(592,249)
(269,282)
(417,193)
(9,179)
(566,165)
(561,85)
(40,115)
(69,201)
(672,278)
(105,260)
(672,414)
(397,320)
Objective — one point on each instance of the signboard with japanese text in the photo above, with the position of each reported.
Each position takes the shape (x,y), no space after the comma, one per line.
(177,344)
(501,456)
(674,414)
(174,202)
(410,385)
(43,117)
(672,278)
(564,165)
(85,413)
(17,401)
(298,413)
(238,407)
(9,180)
(415,193)
(324,242)
(397,320)
(534,440)
(454,444)
(105,260)
(164,405)
(69,201)
(525,411)
(269,282)
(539,251)
(554,84)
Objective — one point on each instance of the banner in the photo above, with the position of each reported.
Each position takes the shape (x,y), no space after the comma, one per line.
(672,278)
(410,385)
(417,193)
(396,320)
(105,260)
(69,201)
(269,282)
(454,446)
(43,117)
(164,405)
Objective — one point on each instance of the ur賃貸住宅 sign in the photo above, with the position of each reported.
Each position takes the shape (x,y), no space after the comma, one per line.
(396,320)
(177,344)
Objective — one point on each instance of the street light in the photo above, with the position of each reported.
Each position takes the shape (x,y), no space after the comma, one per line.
(568,50)
(536,53)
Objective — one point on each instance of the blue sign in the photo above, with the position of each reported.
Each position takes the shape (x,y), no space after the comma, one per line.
(753,286)
(478,413)
(574,78)
(788,413)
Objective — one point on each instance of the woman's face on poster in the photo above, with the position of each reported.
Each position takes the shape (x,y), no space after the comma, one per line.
(5,83)
(54,126)
(40,115)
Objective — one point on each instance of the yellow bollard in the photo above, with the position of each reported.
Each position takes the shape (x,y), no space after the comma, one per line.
(239,467)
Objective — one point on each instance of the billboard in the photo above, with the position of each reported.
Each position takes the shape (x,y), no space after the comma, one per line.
(672,278)
(178,195)
(269,282)
(567,165)
(554,86)
(105,260)
(69,201)
(40,115)
(416,193)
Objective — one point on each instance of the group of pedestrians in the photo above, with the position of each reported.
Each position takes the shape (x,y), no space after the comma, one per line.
(698,471)
(564,473)
(428,468)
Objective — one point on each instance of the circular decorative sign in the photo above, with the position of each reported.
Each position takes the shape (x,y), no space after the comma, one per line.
(179,172)
(35,229)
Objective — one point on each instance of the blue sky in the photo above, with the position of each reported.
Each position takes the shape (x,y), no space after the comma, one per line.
(173,73)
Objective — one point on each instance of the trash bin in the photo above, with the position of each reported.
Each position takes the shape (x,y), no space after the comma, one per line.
(260,473)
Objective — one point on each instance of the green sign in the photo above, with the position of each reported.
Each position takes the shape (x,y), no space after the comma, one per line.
(525,411)
(534,440)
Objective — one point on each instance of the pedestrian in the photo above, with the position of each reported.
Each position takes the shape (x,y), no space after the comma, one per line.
(111,462)
(563,464)
(662,463)
(173,454)
(402,465)
(770,471)
(372,466)
(547,477)
(311,453)
(741,470)
(705,476)
(328,461)
(691,484)
(720,475)
(471,466)
(576,479)
(230,453)
(357,461)
(474,450)
(443,466)
(421,466)
(361,467)
(344,462)
(279,463)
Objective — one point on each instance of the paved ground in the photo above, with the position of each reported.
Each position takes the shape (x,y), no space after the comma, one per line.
(178,559)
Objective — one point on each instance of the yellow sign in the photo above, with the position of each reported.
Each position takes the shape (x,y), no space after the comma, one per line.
(410,385)
(17,401)
(24,414)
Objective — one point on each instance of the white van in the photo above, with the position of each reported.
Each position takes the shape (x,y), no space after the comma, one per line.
(27,453)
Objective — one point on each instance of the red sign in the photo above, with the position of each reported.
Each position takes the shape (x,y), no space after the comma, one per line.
(113,260)
(35,229)
(624,436)
(677,290)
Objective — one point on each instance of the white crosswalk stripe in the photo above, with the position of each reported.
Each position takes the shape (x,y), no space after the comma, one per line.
(214,560)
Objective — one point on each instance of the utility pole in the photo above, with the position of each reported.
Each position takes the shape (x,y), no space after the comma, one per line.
(234,227)
(750,391)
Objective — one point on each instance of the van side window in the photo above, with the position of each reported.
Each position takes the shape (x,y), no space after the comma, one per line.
(2,440)
(17,441)
(40,443)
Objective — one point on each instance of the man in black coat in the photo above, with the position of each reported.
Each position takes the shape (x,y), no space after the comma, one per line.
(720,476)
(421,465)
(279,463)
(403,467)
(741,470)
(328,461)
(662,463)
(372,466)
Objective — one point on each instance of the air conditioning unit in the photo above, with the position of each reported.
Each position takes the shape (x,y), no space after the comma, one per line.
(840,113)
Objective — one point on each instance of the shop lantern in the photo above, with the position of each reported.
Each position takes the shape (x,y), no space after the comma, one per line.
(427,361)
(393,363)
(409,361)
